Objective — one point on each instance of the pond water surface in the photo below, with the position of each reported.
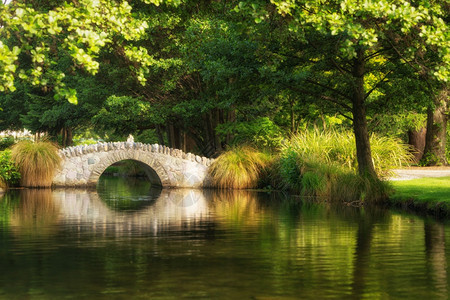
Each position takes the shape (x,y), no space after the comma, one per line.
(127,241)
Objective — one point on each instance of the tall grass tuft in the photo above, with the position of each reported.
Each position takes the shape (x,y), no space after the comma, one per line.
(324,164)
(239,168)
(37,162)
(339,147)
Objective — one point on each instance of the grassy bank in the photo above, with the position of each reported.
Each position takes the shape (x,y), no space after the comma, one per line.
(312,163)
(430,195)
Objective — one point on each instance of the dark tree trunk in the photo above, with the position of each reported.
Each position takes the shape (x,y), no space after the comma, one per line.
(416,138)
(363,152)
(159,134)
(216,122)
(169,132)
(436,137)
(66,137)
(231,119)
(69,137)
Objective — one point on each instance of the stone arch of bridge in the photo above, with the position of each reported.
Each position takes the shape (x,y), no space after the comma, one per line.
(155,171)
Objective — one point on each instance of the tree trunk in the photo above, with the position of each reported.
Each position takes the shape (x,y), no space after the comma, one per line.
(216,122)
(436,137)
(363,152)
(69,137)
(169,132)
(231,119)
(416,138)
(159,134)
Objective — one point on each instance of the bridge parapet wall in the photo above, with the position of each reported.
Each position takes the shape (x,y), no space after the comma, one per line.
(154,148)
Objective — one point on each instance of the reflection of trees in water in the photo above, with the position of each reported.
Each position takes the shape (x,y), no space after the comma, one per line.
(127,193)
(436,257)
(226,239)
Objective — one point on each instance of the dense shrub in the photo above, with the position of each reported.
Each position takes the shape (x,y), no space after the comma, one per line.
(9,173)
(6,142)
(37,162)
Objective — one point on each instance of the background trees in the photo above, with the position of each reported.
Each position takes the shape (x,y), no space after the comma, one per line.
(201,76)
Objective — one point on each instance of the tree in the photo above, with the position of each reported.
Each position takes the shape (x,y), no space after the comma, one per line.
(365,39)
(32,39)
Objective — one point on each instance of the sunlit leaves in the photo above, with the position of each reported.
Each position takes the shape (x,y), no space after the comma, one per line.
(7,68)
(366,24)
(80,29)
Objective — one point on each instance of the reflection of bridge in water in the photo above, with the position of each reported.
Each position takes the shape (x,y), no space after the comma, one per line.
(174,209)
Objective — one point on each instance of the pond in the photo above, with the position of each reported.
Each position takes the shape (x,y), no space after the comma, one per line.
(128,240)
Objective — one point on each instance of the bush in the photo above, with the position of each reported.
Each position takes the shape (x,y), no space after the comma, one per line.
(37,162)
(9,174)
(238,168)
(6,142)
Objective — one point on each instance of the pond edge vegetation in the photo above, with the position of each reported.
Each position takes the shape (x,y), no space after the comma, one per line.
(314,164)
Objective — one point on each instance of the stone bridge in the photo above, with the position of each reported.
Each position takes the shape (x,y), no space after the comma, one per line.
(83,165)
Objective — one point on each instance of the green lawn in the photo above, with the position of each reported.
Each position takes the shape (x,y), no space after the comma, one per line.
(423,193)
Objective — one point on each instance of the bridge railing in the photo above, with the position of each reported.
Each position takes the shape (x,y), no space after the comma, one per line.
(117,146)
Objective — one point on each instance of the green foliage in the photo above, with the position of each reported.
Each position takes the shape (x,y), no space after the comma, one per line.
(147,136)
(238,168)
(6,142)
(76,29)
(36,161)
(261,132)
(9,174)
(397,125)
(125,114)
(358,26)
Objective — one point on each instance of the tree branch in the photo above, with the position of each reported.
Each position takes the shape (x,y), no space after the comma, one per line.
(329,88)
(377,85)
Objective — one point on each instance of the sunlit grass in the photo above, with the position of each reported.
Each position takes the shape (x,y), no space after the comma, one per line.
(324,164)
(37,162)
(238,168)
(335,147)
(422,190)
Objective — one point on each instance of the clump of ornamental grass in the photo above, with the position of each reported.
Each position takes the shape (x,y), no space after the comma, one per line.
(323,164)
(238,168)
(339,147)
(37,162)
